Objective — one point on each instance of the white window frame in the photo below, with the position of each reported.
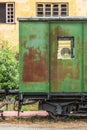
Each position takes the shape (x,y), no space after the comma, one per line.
(8,20)
(59,11)
(9,17)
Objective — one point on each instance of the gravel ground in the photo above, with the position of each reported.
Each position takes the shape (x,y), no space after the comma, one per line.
(23,128)
(38,128)
(42,123)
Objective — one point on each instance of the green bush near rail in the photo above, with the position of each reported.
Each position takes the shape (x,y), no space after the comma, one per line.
(8,66)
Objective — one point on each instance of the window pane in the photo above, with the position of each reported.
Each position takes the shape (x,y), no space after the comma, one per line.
(10,5)
(63,9)
(63,5)
(63,13)
(10,13)
(55,7)
(40,5)
(40,13)
(55,13)
(11,20)
(40,10)
(65,48)
(2,13)
(47,9)
(55,10)
(47,13)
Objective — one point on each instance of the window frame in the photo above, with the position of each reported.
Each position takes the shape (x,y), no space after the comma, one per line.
(56,3)
(6,13)
(71,38)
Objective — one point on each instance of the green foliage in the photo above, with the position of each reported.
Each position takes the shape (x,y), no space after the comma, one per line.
(33,107)
(8,67)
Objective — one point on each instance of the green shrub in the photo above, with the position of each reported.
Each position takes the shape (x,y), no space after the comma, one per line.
(8,67)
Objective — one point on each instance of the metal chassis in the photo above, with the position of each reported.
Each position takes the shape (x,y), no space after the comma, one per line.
(56,104)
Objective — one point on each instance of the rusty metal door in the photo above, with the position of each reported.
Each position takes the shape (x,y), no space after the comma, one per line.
(34,56)
(66,56)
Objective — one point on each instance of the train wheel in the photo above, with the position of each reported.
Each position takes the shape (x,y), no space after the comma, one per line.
(57,117)
(52,115)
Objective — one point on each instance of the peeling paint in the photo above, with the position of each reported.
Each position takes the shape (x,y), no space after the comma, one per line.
(35,67)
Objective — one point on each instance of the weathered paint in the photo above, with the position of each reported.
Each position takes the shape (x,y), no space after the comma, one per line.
(40,69)
(34,58)
(85,57)
(35,68)
(66,74)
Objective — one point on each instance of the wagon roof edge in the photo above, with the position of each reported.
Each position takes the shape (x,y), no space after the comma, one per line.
(66,18)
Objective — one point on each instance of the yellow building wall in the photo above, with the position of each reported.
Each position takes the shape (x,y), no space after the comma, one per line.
(9,32)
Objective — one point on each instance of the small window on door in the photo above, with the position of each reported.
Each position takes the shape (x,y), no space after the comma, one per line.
(65,48)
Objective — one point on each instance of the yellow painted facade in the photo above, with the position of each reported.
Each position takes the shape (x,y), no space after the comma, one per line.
(9,32)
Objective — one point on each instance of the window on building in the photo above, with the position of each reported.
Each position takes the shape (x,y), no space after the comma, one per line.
(6,12)
(50,9)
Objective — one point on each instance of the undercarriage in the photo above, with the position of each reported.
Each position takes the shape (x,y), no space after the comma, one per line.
(56,104)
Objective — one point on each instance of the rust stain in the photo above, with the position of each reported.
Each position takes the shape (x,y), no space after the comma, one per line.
(72,68)
(62,32)
(53,52)
(24,44)
(35,67)
(70,71)
(31,37)
(78,44)
(56,70)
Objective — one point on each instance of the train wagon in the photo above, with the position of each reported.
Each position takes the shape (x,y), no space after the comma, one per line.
(53,63)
